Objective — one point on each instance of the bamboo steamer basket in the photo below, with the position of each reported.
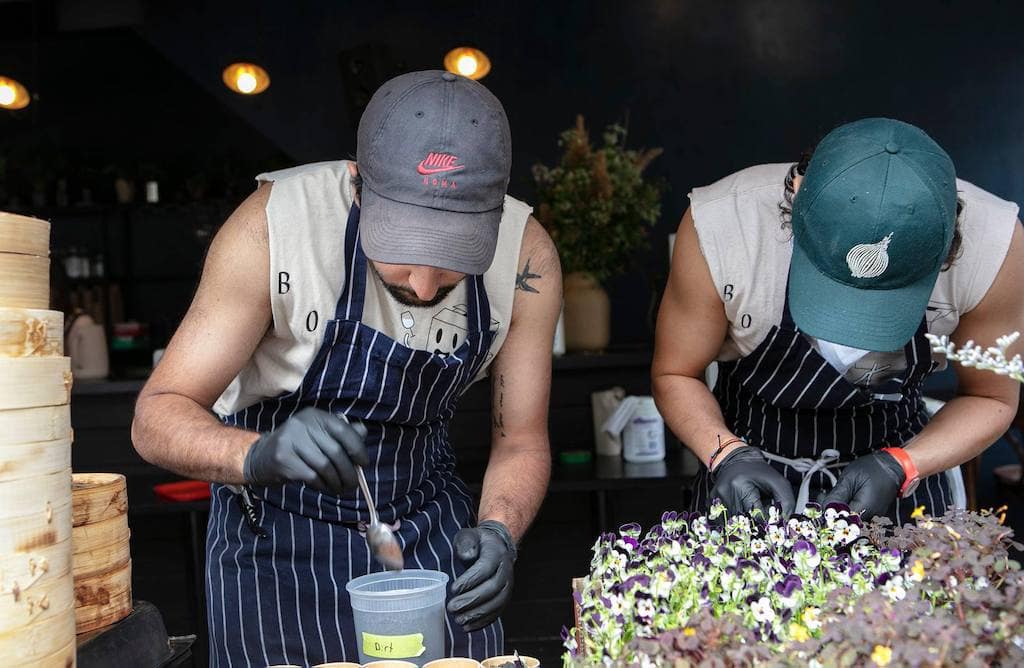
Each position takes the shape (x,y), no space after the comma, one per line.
(98,496)
(30,382)
(47,525)
(30,425)
(99,538)
(20,571)
(19,608)
(26,281)
(34,496)
(38,641)
(103,599)
(31,332)
(34,459)
(24,235)
(104,558)
(65,658)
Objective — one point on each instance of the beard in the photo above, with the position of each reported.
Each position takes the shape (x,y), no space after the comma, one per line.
(407,297)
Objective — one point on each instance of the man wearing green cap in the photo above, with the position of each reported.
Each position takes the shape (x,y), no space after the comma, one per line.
(812,285)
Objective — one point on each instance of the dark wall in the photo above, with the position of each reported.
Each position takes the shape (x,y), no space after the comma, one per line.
(720,85)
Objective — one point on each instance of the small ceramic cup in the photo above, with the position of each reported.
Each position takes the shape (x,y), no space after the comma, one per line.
(389,663)
(453,663)
(498,661)
(337,664)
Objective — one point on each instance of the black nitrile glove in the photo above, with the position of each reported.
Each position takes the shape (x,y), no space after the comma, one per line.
(313,447)
(480,594)
(868,484)
(745,478)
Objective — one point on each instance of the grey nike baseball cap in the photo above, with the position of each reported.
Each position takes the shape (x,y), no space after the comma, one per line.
(435,152)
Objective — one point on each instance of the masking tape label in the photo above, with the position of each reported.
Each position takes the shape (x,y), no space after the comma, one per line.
(393,647)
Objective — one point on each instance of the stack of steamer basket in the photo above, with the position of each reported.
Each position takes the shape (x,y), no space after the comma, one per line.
(37,606)
(101,560)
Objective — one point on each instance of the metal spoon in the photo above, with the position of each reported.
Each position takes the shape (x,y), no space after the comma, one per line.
(382,542)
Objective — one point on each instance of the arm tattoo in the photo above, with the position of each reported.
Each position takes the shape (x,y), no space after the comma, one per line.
(499,412)
(523,278)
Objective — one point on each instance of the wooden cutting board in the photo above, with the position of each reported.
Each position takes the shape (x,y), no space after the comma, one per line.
(31,332)
(24,235)
(30,425)
(30,382)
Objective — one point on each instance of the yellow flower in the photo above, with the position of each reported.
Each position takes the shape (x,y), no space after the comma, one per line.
(918,513)
(798,632)
(917,572)
(689,631)
(811,618)
(882,655)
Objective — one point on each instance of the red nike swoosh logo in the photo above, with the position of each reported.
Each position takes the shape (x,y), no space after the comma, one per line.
(426,171)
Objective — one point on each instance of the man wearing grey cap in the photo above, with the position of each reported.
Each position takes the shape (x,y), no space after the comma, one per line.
(813,286)
(343,310)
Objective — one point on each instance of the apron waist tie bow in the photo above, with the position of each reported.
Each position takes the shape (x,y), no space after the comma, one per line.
(829,459)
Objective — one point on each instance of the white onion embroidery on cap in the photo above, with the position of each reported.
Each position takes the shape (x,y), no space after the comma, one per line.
(869,260)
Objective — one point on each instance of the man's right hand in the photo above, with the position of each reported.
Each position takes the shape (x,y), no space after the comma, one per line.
(744,477)
(312,447)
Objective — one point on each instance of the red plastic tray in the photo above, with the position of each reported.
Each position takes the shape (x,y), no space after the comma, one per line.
(184,490)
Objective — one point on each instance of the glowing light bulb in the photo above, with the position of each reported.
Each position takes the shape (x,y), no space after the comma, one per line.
(246,78)
(469,62)
(466,64)
(7,94)
(246,82)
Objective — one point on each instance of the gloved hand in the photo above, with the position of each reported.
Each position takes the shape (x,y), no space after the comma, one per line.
(868,484)
(313,447)
(480,594)
(745,477)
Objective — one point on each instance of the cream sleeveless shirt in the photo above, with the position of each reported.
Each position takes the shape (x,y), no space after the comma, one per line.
(307,213)
(740,232)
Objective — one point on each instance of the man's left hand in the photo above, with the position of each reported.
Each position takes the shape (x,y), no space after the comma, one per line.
(868,484)
(481,593)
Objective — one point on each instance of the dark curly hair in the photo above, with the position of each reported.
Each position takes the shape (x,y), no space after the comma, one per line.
(800,168)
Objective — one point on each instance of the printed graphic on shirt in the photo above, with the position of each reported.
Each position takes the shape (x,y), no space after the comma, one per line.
(449,328)
(408,322)
(875,369)
(938,311)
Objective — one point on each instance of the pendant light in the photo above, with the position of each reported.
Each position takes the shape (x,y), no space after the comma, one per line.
(13,95)
(246,78)
(468,62)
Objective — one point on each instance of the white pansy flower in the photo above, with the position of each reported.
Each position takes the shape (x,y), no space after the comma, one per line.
(894,589)
(762,610)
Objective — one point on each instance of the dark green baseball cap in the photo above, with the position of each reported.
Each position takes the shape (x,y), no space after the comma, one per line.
(873,221)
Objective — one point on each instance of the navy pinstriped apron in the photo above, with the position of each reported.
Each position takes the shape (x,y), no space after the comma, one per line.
(789,401)
(276,589)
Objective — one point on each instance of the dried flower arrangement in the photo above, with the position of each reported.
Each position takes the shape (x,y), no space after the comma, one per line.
(992,358)
(596,203)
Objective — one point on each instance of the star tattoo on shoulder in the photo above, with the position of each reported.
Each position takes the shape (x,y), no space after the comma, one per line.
(522,279)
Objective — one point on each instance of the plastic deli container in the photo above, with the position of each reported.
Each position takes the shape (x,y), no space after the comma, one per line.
(399,615)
